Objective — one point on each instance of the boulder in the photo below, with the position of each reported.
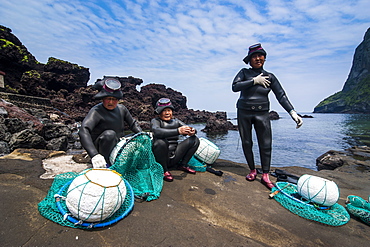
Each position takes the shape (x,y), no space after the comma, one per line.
(15,125)
(215,125)
(27,138)
(56,130)
(4,148)
(355,159)
(58,144)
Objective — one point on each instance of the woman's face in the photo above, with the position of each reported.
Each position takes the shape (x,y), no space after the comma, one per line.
(166,114)
(257,60)
(110,102)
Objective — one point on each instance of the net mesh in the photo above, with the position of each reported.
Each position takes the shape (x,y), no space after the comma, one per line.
(136,162)
(197,165)
(207,151)
(359,208)
(48,206)
(289,198)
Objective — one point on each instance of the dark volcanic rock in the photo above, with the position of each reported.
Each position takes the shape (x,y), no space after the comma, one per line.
(14,125)
(16,112)
(65,85)
(40,102)
(15,59)
(218,123)
(27,139)
(56,130)
(351,160)
(58,144)
(4,148)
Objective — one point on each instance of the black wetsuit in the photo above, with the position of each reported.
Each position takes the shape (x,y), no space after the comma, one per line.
(253,109)
(101,129)
(167,151)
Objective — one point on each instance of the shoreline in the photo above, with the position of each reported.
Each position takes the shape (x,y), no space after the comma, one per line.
(194,210)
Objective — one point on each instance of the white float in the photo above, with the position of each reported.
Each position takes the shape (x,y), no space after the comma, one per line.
(116,149)
(318,190)
(96,194)
(207,151)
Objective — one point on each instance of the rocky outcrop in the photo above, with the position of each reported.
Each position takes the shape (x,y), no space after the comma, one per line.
(41,105)
(355,95)
(64,87)
(351,160)
(34,128)
(219,124)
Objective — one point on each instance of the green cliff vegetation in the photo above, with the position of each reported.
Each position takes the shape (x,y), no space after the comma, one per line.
(55,60)
(32,73)
(357,95)
(21,50)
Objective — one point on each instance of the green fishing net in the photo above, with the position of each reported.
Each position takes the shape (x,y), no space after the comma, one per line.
(197,165)
(289,198)
(53,206)
(134,159)
(359,208)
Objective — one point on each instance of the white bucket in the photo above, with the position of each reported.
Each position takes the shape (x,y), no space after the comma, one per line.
(95,194)
(318,190)
(207,151)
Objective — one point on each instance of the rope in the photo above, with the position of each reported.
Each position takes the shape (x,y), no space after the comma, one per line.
(107,222)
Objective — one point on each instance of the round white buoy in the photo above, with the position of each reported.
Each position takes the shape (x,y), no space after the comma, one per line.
(207,151)
(318,190)
(95,194)
(116,149)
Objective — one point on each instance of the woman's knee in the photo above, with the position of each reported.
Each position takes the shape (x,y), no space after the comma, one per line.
(108,135)
(248,144)
(194,141)
(160,144)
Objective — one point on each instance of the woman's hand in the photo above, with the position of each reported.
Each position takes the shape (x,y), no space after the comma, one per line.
(262,80)
(186,130)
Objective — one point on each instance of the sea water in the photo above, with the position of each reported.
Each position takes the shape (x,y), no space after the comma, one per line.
(298,147)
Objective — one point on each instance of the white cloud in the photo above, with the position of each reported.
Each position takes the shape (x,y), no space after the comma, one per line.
(197,47)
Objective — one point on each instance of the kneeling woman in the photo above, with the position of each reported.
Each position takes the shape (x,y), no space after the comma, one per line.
(166,130)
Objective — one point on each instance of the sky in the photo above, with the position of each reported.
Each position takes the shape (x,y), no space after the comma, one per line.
(197,47)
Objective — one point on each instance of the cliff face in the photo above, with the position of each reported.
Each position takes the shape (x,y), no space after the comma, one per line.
(355,95)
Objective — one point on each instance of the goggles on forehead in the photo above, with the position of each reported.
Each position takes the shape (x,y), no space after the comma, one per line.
(111,85)
(164,102)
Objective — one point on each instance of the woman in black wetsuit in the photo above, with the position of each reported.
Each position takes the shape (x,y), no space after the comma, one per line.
(166,130)
(254,85)
(105,123)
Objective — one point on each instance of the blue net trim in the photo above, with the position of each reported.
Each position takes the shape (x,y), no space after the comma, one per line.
(53,205)
(359,208)
(289,198)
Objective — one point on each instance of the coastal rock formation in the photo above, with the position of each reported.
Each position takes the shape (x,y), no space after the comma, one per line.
(352,160)
(41,105)
(34,128)
(219,124)
(62,90)
(355,95)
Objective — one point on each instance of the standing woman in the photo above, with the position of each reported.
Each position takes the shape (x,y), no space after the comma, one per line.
(253,105)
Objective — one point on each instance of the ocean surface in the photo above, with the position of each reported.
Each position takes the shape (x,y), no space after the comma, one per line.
(298,147)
